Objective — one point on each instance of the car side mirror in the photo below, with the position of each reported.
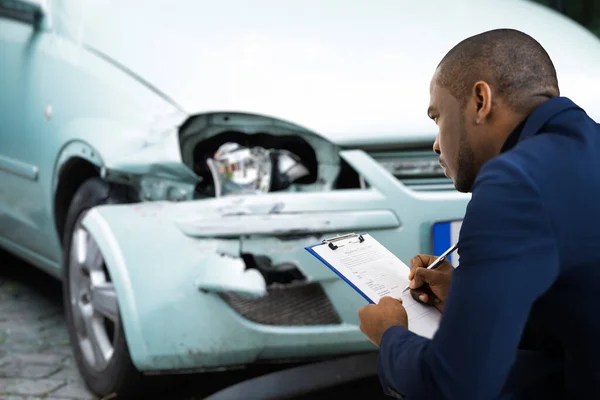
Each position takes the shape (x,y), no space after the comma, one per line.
(33,12)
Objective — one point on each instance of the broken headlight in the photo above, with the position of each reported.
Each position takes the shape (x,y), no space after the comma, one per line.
(236,169)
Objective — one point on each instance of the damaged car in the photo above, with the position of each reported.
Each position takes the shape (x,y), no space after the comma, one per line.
(169,162)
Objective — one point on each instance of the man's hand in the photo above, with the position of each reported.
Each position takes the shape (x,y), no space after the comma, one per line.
(375,319)
(430,286)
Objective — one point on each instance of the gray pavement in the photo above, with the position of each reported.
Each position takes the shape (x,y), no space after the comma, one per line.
(36,361)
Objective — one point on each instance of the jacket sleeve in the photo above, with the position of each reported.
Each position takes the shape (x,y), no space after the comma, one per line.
(508,258)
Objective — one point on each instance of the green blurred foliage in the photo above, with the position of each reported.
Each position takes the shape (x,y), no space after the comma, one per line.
(585,12)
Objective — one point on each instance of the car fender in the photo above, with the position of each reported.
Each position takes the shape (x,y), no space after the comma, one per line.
(104,142)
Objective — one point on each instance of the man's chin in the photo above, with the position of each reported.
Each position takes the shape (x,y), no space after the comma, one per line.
(460,189)
(461,186)
(457,186)
(449,176)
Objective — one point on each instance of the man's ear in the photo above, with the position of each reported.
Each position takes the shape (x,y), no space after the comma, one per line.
(482,97)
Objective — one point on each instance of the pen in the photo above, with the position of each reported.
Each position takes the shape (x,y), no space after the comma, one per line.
(438,261)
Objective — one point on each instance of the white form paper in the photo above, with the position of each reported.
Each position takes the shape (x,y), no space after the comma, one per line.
(377,272)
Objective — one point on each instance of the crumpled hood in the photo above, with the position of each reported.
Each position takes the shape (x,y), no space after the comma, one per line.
(356,72)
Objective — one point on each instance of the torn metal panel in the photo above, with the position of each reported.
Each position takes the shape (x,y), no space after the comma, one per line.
(224,270)
(223,273)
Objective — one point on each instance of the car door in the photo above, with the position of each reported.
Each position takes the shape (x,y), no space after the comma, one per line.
(19,146)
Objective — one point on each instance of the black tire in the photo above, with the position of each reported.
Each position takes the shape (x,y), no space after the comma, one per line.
(120,376)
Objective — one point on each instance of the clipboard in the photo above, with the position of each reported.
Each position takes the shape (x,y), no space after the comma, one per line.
(334,243)
(379,272)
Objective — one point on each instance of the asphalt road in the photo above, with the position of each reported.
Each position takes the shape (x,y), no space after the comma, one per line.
(36,360)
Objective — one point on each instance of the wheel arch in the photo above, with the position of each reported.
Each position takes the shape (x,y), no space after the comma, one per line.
(76,163)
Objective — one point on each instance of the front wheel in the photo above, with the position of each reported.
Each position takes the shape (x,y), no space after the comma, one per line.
(90,301)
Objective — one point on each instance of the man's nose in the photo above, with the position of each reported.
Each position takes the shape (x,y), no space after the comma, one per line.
(436,145)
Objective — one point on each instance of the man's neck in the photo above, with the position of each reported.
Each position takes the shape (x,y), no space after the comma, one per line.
(506,125)
(508,121)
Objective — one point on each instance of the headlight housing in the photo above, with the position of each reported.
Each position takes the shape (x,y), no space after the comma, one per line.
(237,169)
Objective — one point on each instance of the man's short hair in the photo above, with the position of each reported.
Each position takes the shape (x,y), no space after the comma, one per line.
(514,64)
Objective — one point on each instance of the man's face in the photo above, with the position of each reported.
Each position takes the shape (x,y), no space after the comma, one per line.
(453,143)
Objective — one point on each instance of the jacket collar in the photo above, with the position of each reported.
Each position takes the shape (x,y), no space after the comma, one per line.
(534,123)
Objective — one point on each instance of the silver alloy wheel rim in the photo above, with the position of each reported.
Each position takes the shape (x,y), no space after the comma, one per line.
(93,300)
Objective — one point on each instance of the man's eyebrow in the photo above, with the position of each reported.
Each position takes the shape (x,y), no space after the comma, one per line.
(430,111)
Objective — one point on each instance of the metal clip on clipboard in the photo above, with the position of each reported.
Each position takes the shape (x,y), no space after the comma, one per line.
(332,246)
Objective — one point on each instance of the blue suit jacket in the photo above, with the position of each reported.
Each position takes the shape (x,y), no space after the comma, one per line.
(529,271)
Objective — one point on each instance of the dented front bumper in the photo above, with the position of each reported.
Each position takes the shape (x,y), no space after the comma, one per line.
(226,281)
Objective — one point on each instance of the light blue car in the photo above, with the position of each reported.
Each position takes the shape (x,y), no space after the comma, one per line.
(170,160)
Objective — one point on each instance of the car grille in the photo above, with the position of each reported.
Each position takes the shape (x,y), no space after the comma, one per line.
(286,305)
(418,169)
(428,184)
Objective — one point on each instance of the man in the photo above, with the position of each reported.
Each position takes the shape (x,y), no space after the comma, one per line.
(529,274)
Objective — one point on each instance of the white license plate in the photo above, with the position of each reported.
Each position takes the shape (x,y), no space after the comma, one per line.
(443,235)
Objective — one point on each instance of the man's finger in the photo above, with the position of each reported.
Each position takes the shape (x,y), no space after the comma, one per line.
(419,261)
(415,262)
(416,283)
(426,276)
(419,278)
(413,266)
